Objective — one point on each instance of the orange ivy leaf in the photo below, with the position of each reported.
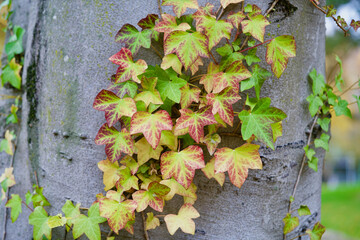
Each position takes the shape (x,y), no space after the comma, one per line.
(213,75)
(278,52)
(211,141)
(128,68)
(209,171)
(114,106)
(168,25)
(115,142)
(189,95)
(145,151)
(153,197)
(195,121)
(180,6)
(235,73)
(111,173)
(187,46)
(151,125)
(237,162)
(225,3)
(117,213)
(182,220)
(181,165)
(222,103)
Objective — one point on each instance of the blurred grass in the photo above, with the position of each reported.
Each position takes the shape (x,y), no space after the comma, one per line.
(341,209)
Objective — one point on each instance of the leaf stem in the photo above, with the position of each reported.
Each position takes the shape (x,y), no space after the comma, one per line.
(156,51)
(144,225)
(349,88)
(303,161)
(159,7)
(84,208)
(246,49)
(161,216)
(212,56)
(298,236)
(332,16)
(27,206)
(271,7)
(230,134)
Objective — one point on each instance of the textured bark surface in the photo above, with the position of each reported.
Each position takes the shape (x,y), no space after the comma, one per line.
(66,65)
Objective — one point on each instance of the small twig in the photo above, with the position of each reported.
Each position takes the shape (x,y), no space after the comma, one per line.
(109,234)
(271,7)
(192,84)
(349,88)
(36,179)
(246,49)
(156,51)
(212,56)
(220,15)
(144,224)
(237,127)
(159,6)
(336,21)
(244,43)
(83,208)
(27,206)
(303,161)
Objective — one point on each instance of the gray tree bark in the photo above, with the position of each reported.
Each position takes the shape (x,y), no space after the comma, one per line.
(66,64)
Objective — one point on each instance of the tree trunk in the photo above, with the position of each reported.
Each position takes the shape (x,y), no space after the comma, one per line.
(66,64)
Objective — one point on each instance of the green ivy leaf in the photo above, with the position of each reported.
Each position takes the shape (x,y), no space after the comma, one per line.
(39,219)
(357,98)
(312,160)
(259,75)
(251,57)
(338,78)
(324,123)
(149,23)
(71,212)
(259,120)
(323,142)
(11,74)
(89,225)
(14,45)
(133,39)
(304,210)
(255,25)
(341,108)
(315,103)
(38,197)
(15,204)
(318,82)
(278,52)
(171,88)
(127,88)
(290,223)
(317,231)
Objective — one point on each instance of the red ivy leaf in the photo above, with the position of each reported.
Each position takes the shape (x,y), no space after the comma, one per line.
(238,161)
(213,75)
(211,141)
(181,165)
(195,121)
(222,103)
(128,69)
(114,106)
(149,23)
(180,6)
(236,18)
(153,197)
(151,125)
(115,142)
(235,73)
(355,24)
(168,25)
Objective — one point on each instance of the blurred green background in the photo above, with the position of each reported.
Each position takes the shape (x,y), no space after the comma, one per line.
(341,179)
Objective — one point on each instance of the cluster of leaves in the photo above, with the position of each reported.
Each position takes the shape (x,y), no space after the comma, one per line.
(330,11)
(322,102)
(157,117)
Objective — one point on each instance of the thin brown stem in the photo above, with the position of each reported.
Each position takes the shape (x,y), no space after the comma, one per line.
(336,21)
(27,206)
(144,224)
(83,208)
(303,160)
(159,7)
(246,49)
(230,134)
(244,43)
(156,51)
(161,216)
(36,179)
(212,56)
(109,234)
(237,127)
(349,88)
(271,7)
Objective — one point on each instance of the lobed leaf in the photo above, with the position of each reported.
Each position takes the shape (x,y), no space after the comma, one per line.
(149,23)
(189,95)
(169,24)
(151,221)
(182,165)
(39,219)
(15,205)
(153,197)
(151,125)
(225,3)
(145,151)
(255,25)
(317,231)
(290,223)
(180,6)
(209,171)
(278,52)
(133,39)
(182,220)
(237,162)
(111,173)
(211,141)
